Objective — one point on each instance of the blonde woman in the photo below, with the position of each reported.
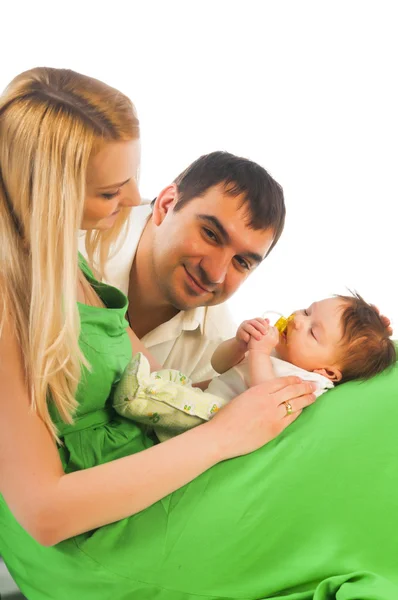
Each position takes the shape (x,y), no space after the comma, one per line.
(69,466)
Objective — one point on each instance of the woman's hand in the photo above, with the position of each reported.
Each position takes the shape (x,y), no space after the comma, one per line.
(260,414)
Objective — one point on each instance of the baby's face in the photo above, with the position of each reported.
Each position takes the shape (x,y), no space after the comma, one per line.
(311,339)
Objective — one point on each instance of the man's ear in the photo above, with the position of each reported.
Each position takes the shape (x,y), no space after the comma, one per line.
(332,373)
(163,203)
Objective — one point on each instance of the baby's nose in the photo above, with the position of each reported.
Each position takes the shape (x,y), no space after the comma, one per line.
(297,321)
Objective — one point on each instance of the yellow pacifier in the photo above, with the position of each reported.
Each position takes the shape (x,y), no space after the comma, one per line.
(282,323)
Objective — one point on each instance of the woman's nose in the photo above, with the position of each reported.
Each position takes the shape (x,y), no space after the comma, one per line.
(131,195)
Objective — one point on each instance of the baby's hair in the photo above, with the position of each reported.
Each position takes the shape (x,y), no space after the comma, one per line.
(366,346)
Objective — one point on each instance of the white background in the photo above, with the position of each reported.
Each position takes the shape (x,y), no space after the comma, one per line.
(306,88)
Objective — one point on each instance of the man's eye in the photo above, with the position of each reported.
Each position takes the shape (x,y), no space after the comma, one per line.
(242,263)
(110,196)
(210,234)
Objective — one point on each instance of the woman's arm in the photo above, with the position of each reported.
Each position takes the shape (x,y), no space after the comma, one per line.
(53,506)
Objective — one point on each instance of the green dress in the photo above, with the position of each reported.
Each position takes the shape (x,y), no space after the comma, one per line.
(312,515)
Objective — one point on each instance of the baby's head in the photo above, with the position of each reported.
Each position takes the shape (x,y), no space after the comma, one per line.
(342,338)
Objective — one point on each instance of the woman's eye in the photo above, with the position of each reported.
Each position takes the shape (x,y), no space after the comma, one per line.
(210,234)
(110,196)
(242,263)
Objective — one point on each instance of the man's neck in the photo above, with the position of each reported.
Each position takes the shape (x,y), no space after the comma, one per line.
(147,310)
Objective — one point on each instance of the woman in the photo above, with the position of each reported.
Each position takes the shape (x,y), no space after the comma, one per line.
(69,158)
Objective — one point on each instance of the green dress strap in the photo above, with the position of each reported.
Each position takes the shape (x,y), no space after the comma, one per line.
(83,266)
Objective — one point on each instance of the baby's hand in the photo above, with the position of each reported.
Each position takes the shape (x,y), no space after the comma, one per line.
(254,329)
(266,343)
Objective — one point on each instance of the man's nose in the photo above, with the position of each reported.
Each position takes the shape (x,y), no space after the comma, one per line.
(216,267)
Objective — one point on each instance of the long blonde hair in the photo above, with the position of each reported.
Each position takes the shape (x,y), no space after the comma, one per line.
(51,122)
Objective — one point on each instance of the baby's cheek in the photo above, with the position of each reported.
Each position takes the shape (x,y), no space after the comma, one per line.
(291,354)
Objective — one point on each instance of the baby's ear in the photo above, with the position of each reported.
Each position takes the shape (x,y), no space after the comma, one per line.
(332,373)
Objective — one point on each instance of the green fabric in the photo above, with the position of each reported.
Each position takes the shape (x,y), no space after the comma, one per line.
(312,515)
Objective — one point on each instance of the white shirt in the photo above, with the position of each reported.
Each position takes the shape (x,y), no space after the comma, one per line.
(187,341)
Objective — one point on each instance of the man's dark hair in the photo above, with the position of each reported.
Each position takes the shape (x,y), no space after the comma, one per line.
(239,176)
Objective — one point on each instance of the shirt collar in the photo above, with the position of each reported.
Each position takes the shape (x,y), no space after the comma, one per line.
(194,318)
(188,320)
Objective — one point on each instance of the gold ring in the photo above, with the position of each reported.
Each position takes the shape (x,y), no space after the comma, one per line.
(289,408)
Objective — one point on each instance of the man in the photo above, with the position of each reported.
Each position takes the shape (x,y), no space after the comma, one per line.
(188,252)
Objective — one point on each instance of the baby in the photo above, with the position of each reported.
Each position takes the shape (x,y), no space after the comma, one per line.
(335,340)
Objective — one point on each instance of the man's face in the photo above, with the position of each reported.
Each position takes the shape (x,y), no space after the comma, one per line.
(203,252)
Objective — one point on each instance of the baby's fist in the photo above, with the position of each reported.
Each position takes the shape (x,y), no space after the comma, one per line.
(266,343)
(252,329)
